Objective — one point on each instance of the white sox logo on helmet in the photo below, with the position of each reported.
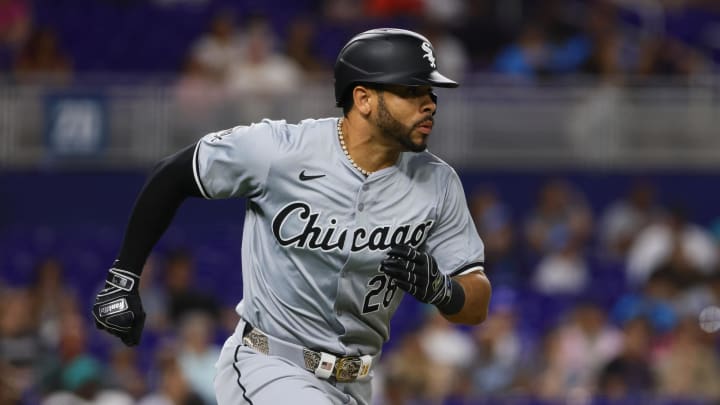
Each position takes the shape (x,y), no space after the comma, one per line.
(428,53)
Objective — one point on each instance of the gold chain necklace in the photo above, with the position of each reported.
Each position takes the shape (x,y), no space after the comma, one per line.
(347,154)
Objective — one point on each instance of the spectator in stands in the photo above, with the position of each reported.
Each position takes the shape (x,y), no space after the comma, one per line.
(624,218)
(483,33)
(82,381)
(608,42)
(563,270)
(183,297)
(594,130)
(393,8)
(445,12)
(343,11)
(173,388)
(72,345)
(559,211)
(687,248)
(8,395)
(695,287)
(199,99)
(493,221)
(577,351)
(702,294)
(155,299)
(197,353)
(570,45)
(450,352)
(15,23)
(429,365)
(501,350)
(655,301)
(21,348)
(667,56)
(197,85)
(546,46)
(680,268)
(71,375)
(629,375)
(51,299)
(402,373)
(220,48)
(123,373)
(604,60)
(263,70)
(527,56)
(42,59)
(689,366)
(300,46)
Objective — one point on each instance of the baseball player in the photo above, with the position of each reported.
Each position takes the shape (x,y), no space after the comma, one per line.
(344,217)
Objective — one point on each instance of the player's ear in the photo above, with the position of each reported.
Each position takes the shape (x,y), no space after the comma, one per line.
(362,97)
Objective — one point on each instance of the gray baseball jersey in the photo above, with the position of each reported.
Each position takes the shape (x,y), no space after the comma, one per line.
(316,229)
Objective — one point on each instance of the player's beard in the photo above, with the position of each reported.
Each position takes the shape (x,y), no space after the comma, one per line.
(392,129)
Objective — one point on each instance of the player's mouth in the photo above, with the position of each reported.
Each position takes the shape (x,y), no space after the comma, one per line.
(425,127)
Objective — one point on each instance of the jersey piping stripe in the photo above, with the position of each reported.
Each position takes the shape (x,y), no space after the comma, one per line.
(196,171)
(237,370)
(468,267)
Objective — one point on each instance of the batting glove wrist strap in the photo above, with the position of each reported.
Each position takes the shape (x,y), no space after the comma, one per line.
(417,273)
(455,299)
(119,279)
(118,308)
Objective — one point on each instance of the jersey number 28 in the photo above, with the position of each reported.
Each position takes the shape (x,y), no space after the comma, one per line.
(374,297)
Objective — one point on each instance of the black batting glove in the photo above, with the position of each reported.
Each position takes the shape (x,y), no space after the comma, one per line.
(416,272)
(118,308)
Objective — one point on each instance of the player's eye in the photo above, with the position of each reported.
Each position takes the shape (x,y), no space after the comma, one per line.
(414,91)
(409,91)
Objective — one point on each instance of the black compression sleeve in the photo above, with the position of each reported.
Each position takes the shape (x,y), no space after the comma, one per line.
(169,184)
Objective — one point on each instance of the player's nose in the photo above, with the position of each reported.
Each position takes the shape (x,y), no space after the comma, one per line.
(429,104)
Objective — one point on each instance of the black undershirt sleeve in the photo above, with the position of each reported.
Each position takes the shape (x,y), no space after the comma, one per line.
(170,182)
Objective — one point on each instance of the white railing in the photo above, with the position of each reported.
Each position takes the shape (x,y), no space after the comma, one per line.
(485,123)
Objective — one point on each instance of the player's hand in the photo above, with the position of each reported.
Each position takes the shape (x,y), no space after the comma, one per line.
(118,308)
(416,272)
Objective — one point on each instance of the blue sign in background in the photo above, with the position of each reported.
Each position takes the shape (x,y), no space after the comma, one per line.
(75,124)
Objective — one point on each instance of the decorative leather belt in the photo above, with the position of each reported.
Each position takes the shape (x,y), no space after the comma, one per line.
(322,364)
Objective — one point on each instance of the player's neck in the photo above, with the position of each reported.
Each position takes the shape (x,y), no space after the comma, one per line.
(365,147)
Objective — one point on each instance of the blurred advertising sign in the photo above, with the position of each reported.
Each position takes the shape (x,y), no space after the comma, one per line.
(75,125)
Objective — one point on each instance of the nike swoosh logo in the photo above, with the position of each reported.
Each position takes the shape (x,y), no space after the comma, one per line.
(306,177)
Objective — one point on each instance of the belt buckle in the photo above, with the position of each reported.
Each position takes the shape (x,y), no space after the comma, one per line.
(257,340)
(347,368)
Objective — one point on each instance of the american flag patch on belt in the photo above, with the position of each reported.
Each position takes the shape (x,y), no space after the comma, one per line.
(326,365)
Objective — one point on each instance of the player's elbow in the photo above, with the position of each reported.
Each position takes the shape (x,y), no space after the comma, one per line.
(480,317)
(477,317)
(478,292)
(467,317)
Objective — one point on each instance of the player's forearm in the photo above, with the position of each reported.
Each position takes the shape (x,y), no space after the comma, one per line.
(169,184)
(477,291)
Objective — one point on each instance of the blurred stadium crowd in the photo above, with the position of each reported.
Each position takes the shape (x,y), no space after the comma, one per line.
(249,44)
(590,305)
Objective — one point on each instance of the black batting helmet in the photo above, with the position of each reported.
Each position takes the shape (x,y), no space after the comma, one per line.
(387,56)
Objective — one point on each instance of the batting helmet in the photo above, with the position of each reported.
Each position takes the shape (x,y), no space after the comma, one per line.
(387,56)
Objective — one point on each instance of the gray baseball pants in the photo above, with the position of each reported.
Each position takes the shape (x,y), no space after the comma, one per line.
(246,377)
